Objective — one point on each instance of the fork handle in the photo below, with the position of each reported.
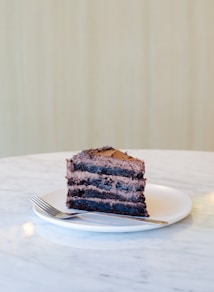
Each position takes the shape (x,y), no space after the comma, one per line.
(148,220)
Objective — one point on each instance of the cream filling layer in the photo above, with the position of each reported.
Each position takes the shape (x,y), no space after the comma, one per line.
(78,176)
(128,195)
(108,162)
(109,202)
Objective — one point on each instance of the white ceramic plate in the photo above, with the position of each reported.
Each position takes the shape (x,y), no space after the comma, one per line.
(163,203)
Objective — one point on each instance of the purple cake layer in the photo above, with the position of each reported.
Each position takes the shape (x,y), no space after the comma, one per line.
(108,206)
(112,164)
(106,182)
(94,192)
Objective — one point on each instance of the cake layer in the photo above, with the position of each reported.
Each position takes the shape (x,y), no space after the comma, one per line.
(109,165)
(107,170)
(94,192)
(109,206)
(106,182)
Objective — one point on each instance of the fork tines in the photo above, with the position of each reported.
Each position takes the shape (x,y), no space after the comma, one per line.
(44,205)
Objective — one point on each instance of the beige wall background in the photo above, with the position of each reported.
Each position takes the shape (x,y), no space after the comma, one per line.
(76,74)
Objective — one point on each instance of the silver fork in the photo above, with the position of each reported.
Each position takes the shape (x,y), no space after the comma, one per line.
(43,205)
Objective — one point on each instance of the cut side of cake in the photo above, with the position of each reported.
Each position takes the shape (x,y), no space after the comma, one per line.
(106,180)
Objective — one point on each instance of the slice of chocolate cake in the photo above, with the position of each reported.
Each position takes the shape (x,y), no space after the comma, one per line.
(106,180)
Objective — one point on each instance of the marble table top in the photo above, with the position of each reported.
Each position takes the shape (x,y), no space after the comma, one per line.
(39,256)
